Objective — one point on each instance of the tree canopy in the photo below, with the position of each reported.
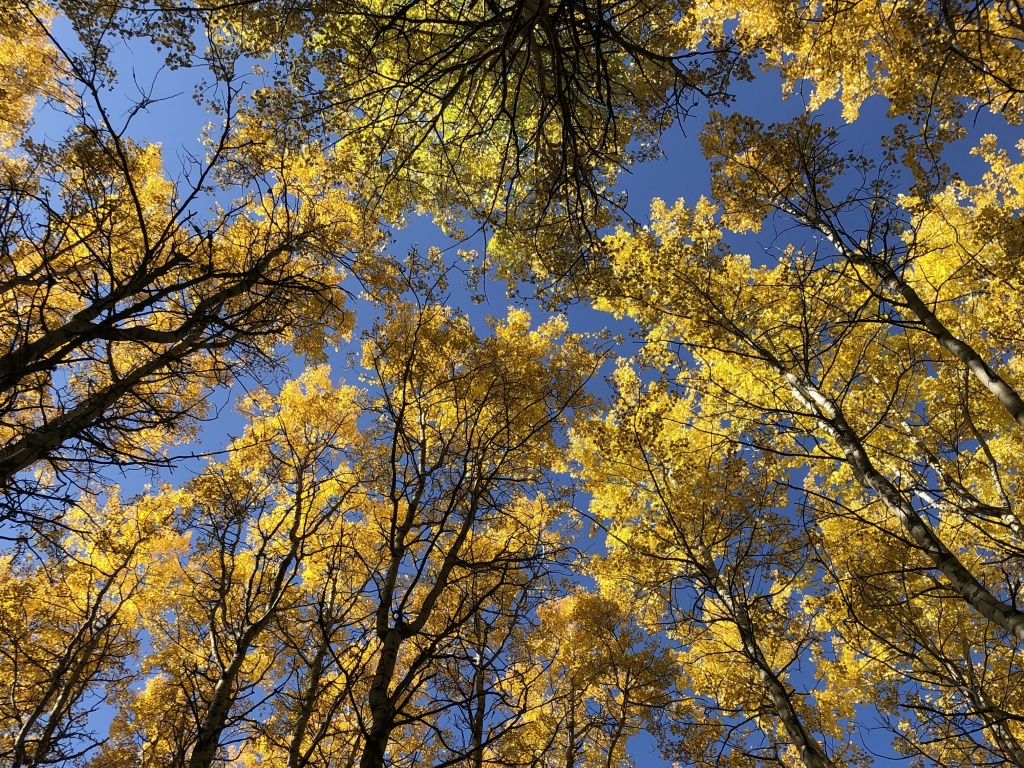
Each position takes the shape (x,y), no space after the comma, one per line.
(772,522)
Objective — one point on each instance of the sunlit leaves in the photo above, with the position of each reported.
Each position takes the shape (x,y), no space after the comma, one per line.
(877,361)
(926,58)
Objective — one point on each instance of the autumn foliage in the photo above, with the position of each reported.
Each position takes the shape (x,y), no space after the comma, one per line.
(773,523)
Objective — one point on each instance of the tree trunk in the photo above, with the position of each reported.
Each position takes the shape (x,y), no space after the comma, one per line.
(381,711)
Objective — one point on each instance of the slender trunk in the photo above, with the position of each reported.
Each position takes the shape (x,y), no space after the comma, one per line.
(993,716)
(833,422)
(1009,746)
(811,752)
(39,442)
(963,582)
(480,711)
(224,692)
(1007,396)
(570,747)
(619,730)
(196,333)
(296,759)
(382,714)
(215,720)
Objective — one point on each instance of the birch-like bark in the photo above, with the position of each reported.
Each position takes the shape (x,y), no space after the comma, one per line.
(811,752)
(479,699)
(1007,396)
(571,747)
(833,422)
(994,719)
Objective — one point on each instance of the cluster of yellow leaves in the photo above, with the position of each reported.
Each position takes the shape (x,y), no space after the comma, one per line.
(28,68)
(918,55)
(513,114)
(70,622)
(701,548)
(834,362)
(590,679)
(337,516)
